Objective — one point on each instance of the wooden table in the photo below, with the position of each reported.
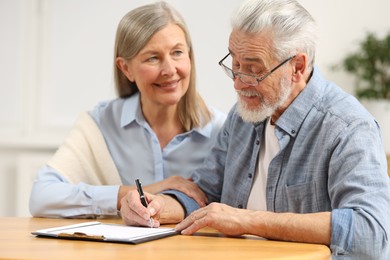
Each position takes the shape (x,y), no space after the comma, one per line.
(16,242)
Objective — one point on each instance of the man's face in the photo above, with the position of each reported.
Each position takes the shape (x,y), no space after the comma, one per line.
(253,54)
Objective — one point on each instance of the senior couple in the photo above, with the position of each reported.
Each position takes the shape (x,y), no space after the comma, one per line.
(297,159)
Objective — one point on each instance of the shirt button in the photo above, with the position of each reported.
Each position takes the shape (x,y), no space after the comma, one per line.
(293,131)
(239,206)
(250,175)
(257,142)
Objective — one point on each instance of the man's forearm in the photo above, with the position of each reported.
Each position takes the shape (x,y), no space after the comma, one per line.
(309,228)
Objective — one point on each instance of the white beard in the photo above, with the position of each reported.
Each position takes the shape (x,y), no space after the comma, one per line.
(265,108)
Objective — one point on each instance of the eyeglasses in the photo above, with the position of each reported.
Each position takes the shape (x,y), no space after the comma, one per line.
(248,79)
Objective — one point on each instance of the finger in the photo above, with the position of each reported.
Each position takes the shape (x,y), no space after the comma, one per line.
(193,225)
(190,220)
(155,206)
(155,216)
(156,223)
(198,195)
(132,219)
(193,191)
(183,224)
(133,210)
(135,204)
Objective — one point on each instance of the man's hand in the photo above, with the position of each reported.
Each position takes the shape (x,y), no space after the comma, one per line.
(286,226)
(221,217)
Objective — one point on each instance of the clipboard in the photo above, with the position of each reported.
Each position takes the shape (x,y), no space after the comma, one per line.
(106,232)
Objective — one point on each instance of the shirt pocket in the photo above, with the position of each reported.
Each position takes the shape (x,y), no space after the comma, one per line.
(301,198)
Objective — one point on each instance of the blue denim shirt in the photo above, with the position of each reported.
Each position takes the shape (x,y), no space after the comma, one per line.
(331,159)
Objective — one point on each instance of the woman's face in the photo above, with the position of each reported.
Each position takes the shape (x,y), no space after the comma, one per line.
(162,68)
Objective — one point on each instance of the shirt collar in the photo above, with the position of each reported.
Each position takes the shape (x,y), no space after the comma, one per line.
(204,131)
(291,120)
(131,112)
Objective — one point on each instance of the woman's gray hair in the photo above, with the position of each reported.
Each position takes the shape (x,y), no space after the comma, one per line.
(291,26)
(134,31)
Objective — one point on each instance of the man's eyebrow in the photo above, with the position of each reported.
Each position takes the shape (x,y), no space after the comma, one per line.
(250,59)
(253,59)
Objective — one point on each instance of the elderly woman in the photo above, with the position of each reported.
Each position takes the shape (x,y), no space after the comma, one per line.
(158,129)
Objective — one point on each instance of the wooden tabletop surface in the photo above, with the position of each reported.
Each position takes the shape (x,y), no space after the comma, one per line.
(17,242)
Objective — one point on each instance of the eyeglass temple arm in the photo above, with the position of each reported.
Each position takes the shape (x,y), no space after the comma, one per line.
(220,62)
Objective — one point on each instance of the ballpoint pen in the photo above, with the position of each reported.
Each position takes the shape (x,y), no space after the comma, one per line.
(143,199)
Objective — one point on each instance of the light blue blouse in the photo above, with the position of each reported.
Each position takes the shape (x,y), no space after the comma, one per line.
(136,152)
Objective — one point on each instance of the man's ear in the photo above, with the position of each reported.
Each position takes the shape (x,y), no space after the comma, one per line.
(299,66)
(122,64)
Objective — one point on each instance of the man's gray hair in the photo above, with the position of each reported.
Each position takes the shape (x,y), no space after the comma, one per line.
(290,25)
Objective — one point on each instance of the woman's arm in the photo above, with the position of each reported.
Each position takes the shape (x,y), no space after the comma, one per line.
(53,196)
(172,183)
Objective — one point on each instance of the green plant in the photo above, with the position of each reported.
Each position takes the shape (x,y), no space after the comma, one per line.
(370,64)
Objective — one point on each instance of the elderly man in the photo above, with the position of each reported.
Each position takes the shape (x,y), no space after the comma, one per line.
(298,159)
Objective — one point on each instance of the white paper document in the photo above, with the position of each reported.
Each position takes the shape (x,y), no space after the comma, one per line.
(104,232)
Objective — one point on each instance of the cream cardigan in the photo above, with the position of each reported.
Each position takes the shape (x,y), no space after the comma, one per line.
(84,156)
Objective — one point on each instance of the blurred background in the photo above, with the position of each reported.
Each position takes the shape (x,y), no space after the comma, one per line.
(56,61)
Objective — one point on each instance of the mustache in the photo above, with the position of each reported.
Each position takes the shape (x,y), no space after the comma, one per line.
(249,93)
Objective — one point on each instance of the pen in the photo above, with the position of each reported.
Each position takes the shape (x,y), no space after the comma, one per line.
(143,199)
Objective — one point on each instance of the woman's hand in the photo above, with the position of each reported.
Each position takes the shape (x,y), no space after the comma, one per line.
(179,183)
(135,214)
(162,209)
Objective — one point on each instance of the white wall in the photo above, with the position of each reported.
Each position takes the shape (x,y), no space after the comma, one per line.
(56,61)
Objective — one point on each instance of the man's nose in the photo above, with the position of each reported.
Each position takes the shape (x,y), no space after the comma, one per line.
(238,84)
